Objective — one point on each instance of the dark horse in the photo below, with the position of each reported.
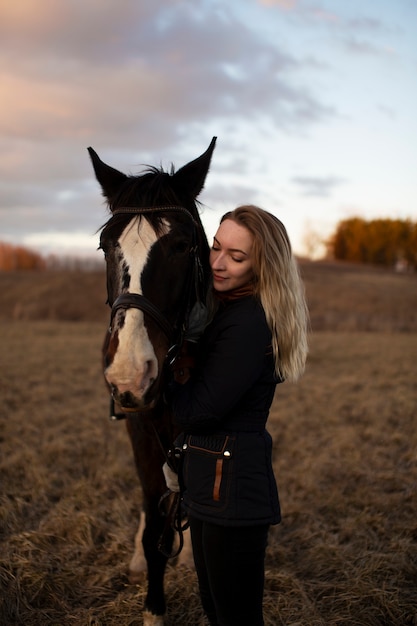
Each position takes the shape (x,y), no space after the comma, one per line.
(157,269)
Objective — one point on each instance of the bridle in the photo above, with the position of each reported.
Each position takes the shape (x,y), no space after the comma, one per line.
(194,287)
(137,301)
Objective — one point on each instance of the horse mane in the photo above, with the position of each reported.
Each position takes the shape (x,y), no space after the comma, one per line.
(152,187)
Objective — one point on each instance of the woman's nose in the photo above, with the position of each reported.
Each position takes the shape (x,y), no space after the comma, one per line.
(217,263)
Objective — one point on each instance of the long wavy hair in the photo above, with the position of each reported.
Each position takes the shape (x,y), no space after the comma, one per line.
(278,285)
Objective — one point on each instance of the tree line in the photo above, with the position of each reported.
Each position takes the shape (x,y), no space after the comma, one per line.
(387,242)
(19,258)
(13,257)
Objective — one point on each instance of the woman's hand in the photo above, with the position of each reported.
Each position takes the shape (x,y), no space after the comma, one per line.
(171,478)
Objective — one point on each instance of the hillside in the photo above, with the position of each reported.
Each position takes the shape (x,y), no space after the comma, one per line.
(341,297)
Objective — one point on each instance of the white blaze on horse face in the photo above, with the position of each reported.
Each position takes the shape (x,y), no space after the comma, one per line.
(134,367)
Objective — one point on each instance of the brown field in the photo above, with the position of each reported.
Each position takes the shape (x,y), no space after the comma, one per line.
(345,459)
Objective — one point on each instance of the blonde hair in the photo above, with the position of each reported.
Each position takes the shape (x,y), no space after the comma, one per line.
(279,287)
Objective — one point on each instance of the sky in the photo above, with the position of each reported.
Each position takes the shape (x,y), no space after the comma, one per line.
(314,103)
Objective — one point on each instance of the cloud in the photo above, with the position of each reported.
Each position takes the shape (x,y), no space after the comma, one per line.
(364,47)
(363,34)
(320,187)
(131,79)
(98,29)
(282,4)
(387,111)
(81,73)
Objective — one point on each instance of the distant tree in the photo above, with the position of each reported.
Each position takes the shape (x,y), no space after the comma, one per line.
(19,258)
(411,250)
(381,242)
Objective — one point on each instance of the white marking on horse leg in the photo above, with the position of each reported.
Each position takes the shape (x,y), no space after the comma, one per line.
(185,557)
(149,619)
(138,563)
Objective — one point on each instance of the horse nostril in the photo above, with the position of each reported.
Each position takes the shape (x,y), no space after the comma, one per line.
(127,400)
(148,374)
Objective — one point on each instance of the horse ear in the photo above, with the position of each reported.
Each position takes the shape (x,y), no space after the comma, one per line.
(191,177)
(109,178)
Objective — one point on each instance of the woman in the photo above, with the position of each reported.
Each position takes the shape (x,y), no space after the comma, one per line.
(256,339)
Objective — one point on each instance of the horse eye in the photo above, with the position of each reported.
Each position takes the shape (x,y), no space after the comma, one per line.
(181,247)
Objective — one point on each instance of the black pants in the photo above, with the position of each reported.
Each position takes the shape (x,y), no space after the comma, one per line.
(230,570)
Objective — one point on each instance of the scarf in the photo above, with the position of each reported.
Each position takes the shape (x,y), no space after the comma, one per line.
(234,294)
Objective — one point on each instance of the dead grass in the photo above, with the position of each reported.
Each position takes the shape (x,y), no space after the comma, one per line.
(345,457)
(349,297)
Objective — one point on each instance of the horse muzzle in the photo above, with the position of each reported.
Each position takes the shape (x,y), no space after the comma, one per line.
(127,402)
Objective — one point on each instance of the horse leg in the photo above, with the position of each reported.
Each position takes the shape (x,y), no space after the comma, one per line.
(145,559)
(149,460)
(156,561)
(138,564)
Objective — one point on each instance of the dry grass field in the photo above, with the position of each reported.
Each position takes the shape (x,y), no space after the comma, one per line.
(345,457)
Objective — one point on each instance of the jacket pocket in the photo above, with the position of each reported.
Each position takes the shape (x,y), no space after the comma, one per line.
(208,470)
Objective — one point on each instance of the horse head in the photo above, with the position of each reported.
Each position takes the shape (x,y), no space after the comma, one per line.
(157,268)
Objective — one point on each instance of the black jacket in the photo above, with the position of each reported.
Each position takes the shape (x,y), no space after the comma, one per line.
(226,464)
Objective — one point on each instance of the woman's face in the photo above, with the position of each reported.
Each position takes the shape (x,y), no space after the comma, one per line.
(230,256)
